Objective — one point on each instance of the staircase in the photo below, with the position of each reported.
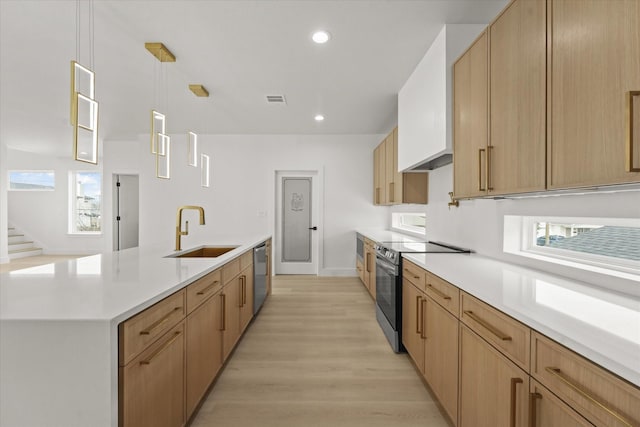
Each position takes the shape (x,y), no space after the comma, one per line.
(20,246)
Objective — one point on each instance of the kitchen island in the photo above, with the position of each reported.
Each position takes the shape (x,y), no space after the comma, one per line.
(59,329)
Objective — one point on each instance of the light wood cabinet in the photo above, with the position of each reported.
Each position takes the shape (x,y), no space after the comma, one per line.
(594,65)
(471,120)
(430,335)
(246,297)
(546,410)
(599,396)
(441,354)
(231,294)
(204,349)
(412,336)
(390,186)
(493,390)
(152,384)
(516,154)
(369,272)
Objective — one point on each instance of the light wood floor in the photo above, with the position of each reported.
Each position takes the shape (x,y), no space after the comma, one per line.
(20,263)
(315,356)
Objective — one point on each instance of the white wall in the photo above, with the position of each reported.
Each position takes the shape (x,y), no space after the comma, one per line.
(478,224)
(44,215)
(242,184)
(4,251)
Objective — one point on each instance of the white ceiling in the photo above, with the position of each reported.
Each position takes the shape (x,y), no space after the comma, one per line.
(240,51)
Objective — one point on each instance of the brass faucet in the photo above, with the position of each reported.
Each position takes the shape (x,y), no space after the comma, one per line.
(179,231)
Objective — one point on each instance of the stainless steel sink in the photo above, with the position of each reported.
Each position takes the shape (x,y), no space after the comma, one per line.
(206,252)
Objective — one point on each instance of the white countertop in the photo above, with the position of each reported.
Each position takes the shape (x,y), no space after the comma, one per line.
(106,287)
(388,236)
(601,325)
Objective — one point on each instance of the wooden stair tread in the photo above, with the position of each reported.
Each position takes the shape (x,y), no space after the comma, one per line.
(15,251)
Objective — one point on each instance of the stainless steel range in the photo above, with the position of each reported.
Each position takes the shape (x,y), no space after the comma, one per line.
(389,283)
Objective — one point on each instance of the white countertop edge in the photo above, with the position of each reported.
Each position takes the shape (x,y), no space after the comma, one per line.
(202,266)
(624,370)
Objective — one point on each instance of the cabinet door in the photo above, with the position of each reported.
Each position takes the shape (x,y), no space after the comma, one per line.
(204,349)
(471,120)
(493,390)
(549,411)
(594,64)
(412,323)
(441,355)
(389,170)
(246,309)
(152,385)
(517,154)
(231,310)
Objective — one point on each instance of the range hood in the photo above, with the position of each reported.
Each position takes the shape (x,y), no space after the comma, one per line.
(425,102)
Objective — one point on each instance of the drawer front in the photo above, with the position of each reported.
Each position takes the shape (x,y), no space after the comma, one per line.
(599,396)
(200,290)
(230,270)
(360,269)
(246,259)
(145,327)
(444,293)
(508,335)
(414,274)
(369,243)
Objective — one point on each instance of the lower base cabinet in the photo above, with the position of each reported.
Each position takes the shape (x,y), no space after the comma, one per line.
(152,393)
(204,349)
(494,392)
(546,410)
(231,314)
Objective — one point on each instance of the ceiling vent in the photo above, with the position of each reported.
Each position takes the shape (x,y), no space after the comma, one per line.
(276,99)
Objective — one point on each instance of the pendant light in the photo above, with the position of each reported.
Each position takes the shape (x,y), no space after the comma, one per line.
(84,107)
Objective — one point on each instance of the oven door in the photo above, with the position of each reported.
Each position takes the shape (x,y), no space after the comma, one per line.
(387,289)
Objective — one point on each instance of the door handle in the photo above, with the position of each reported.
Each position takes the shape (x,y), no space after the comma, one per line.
(313,228)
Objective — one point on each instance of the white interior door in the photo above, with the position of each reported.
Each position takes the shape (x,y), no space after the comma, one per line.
(297,228)
(125,211)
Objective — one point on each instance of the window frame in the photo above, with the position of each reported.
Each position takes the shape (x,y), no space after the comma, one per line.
(396,224)
(527,245)
(72,213)
(9,172)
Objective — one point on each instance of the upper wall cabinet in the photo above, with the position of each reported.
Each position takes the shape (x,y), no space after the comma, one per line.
(471,119)
(391,187)
(499,106)
(516,154)
(424,102)
(595,63)
(563,103)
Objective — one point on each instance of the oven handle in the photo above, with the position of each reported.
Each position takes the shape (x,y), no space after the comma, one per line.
(385,265)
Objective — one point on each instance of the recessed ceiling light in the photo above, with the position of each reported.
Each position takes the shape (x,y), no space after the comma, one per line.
(321,37)
(319,117)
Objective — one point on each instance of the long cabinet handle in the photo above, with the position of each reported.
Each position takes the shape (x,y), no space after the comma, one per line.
(632,113)
(240,289)
(533,398)
(161,349)
(488,326)
(392,187)
(423,309)
(418,311)
(160,322)
(438,292)
(368,262)
(377,196)
(512,412)
(208,288)
(556,372)
(244,290)
(480,151)
(224,313)
(489,180)
(411,272)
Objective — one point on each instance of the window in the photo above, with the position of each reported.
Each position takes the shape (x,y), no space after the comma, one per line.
(29,180)
(610,243)
(86,202)
(412,222)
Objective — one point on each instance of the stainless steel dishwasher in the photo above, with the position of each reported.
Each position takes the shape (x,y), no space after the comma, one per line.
(259,276)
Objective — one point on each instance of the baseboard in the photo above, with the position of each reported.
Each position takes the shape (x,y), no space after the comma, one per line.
(338,272)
